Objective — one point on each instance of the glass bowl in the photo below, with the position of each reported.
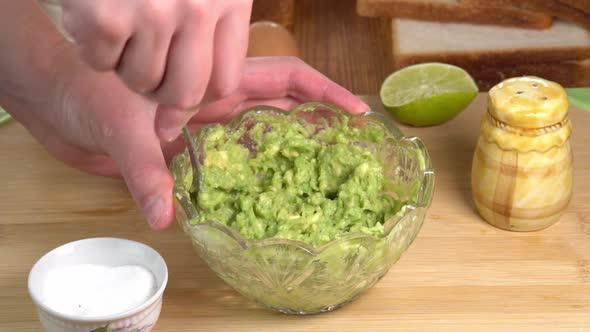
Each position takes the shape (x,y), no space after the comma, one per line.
(294,277)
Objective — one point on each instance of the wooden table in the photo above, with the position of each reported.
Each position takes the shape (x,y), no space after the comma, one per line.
(459,275)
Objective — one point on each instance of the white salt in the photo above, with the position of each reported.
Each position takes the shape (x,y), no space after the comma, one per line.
(90,290)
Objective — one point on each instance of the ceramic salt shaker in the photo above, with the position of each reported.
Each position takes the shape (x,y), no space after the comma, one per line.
(522,166)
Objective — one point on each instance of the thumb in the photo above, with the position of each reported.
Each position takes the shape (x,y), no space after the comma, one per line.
(137,150)
(170,120)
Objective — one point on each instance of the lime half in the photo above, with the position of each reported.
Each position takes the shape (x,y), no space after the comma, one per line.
(427,94)
(4,116)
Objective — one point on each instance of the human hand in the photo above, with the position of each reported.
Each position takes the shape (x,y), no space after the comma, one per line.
(177,52)
(97,125)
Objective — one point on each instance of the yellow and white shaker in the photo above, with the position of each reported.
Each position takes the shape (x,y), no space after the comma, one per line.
(521,175)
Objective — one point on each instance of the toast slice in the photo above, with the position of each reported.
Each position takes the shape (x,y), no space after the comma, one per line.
(454,11)
(583,5)
(569,74)
(466,44)
(555,8)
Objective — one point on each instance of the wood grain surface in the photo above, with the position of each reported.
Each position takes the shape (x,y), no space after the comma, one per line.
(354,51)
(461,274)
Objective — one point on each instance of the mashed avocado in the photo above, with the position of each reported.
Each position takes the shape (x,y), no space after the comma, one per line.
(276,177)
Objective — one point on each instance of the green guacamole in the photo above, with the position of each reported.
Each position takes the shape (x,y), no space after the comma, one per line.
(278,177)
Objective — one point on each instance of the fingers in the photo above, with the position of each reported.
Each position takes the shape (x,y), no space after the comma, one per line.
(100,32)
(143,64)
(229,108)
(219,109)
(189,65)
(277,77)
(174,147)
(138,153)
(188,72)
(231,42)
(228,51)
(231,45)
(170,120)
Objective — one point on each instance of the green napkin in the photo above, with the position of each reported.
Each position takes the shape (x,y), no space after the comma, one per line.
(580,97)
(4,117)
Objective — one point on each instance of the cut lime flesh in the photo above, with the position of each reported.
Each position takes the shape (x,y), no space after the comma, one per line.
(427,94)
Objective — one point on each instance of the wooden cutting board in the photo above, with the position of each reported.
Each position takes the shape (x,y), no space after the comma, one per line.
(459,275)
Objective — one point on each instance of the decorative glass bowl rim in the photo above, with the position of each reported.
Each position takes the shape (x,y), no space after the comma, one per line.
(424,197)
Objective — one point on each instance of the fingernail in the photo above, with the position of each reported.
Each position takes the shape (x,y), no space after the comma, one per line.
(169,134)
(365,108)
(154,209)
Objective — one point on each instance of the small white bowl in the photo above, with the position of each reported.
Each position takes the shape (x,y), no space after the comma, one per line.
(102,251)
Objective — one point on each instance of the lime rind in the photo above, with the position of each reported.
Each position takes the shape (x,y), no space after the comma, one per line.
(423,81)
(420,112)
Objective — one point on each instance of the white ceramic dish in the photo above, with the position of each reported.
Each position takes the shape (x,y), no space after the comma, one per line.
(103,251)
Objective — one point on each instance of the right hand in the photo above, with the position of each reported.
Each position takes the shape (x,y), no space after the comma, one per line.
(177,52)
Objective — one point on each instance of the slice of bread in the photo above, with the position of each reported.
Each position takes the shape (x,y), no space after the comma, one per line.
(569,74)
(555,8)
(583,5)
(454,11)
(466,44)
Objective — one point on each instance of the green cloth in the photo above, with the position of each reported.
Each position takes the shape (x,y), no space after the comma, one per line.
(580,97)
(4,116)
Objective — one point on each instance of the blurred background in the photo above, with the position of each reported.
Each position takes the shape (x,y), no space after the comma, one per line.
(358,43)
(352,50)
